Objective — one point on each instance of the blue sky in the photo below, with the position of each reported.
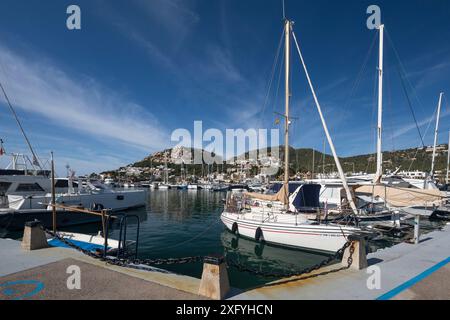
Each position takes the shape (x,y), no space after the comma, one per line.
(113,92)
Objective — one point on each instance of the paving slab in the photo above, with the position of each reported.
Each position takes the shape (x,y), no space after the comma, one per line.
(395,266)
(50,282)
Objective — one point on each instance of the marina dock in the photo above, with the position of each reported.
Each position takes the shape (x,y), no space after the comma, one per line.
(406,271)
(42,274)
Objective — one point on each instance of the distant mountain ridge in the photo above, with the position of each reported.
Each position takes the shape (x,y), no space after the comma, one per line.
(301,160)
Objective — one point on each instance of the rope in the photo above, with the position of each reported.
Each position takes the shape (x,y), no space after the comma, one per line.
(274,66)
(35,158)
(403,68)
(330,141)
(426,131)
(360,74)
(271,274)
(410,105)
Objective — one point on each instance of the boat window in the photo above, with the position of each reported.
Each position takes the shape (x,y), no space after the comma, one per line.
(62,184)
(65,184)
(4,186)
(29,187)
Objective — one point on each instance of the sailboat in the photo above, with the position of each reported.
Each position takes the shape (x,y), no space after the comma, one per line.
(165,185)
(379,196)
(273,218)
(406,200)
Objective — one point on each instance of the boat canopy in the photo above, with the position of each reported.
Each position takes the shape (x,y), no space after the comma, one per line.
(302,196)
(279,196)
(404,197)
(306,197)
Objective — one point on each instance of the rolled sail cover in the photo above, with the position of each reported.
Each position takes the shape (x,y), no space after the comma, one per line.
(404,197)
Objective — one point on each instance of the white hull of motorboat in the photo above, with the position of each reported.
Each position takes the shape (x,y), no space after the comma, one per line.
(96,240)
(315,237)
(114,201)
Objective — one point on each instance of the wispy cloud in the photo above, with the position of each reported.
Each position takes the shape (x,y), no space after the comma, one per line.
(428,122)
(175,17)
(218,65)
(79,103)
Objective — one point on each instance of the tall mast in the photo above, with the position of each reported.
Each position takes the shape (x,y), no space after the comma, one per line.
(379,172)
(287,32)
(448,156)
(166,180)
(436,135)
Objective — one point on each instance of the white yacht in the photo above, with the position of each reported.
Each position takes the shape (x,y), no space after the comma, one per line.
(18,208)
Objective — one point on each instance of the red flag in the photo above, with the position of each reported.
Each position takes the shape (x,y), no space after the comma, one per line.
(2,151)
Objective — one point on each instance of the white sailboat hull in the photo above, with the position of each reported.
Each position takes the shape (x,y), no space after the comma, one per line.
(324,238)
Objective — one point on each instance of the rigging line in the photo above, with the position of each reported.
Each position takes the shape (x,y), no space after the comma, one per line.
(20,125)
(426,131)
(405,90)
(403,68)
(389,110)
(330,141)
(275,63)
(275,102)
(360,74)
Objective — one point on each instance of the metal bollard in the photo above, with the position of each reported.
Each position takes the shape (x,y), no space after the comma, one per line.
(34,237)
(359,256)
(214,284)
(416,229)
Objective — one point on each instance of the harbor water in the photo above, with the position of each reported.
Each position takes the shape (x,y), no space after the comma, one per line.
(177,223)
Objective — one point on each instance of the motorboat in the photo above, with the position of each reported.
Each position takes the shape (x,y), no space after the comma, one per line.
(18,209)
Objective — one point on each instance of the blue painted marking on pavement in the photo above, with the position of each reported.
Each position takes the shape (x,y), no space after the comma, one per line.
(8,291)
(413,281)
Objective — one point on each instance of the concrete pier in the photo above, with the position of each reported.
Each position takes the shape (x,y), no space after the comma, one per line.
(405,271)
(45,273)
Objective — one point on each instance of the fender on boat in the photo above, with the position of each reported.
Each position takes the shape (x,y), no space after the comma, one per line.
(235,228)
(259,235)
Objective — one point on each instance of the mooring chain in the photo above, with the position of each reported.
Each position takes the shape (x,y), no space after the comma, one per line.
(153,262)
(338,255)
(135,263)
(126,262)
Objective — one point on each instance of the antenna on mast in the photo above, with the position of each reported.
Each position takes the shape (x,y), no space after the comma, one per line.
(284,10)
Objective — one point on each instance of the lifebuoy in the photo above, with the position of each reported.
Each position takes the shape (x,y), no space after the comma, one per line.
(259,235)
(234,228)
